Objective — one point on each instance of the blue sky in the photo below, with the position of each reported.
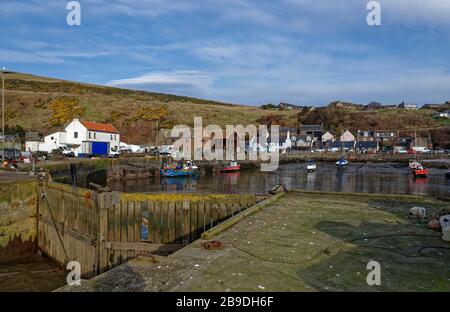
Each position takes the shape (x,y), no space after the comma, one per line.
(306,52)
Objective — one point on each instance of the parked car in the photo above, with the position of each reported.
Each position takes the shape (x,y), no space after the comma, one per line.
(10,153)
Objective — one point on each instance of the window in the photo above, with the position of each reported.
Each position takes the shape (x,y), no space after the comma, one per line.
(89,135)
(111,137)
(95,135)
(75,135)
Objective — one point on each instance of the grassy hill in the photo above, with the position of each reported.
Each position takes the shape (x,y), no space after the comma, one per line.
(28,97)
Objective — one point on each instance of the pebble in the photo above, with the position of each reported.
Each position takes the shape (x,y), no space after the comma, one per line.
(261,287)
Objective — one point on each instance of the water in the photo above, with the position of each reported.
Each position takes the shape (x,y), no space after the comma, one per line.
(358,177)
(32,273)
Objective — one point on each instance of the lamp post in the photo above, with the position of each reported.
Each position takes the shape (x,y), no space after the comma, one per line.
(3,115)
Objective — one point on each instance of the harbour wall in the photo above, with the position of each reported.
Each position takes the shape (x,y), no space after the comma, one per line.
(18,228)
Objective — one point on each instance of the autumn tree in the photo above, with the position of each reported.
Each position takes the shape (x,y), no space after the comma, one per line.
(65,109)
(156,114)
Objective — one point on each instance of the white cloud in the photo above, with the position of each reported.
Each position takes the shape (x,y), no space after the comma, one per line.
(170,81)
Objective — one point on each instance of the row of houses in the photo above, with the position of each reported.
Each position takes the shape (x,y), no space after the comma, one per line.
(315,136)
(377,105)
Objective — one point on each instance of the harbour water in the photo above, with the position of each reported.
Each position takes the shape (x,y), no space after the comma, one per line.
(382,178)
(33,273)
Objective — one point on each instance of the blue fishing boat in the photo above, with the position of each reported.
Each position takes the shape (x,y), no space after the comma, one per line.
(178,173)
(183,170)
(342,163)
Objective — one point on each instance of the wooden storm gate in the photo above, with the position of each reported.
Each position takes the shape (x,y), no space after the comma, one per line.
(68,225)
(133,224)
(103,230)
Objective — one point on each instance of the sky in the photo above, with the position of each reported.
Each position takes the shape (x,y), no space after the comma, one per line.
(305,52)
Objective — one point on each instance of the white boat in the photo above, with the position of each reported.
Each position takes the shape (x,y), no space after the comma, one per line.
(189,166)
(342,162)
(311,166)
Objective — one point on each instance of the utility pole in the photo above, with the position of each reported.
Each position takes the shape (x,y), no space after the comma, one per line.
(3,115)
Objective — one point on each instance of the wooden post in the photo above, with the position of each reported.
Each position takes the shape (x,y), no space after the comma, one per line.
(186,222)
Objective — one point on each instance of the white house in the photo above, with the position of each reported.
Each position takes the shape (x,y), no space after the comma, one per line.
(81,136)
(347,137)
(328,137)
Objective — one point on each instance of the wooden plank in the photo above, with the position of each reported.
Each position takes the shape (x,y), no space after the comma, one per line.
(111,229)
(117,230)
(130,227)
(208,216)
(194,218)
(102,233)
(157,223)
(164,223)
(200,218)
(171,223)
(144,222)
(222,212)
(214,214)
(124,229)
(186,222)
(151,221)
(137,221)
(179,222)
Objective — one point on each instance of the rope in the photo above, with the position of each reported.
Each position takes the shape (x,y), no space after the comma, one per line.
(327,250)
(44,197)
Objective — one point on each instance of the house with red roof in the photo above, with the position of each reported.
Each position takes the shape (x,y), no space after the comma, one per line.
(87,138)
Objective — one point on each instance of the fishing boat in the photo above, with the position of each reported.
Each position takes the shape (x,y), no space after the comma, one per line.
(232,167)
(311,165)
(188,169)
(342,163)
(417,169)
(189,165)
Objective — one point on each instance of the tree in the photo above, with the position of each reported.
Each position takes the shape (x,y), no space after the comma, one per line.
(65,109)
(153,114)
(271,119)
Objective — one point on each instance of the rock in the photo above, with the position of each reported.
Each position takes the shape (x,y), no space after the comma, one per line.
(434,224)
(417,213)
(445,225)
(278,189)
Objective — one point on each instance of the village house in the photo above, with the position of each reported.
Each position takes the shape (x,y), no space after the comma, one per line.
(385,135)
(411,106)
(347,136)
(342,104)
(304,141)
(370,147)
(80,136)
(445,114)
(328,137)
(365,135)
(315,131)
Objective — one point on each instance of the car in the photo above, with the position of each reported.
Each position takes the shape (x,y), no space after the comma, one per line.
(402,151)
(319,150)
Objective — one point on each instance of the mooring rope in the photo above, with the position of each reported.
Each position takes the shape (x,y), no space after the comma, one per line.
(44,197)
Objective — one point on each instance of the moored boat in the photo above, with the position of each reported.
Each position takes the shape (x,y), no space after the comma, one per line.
(232,167)
(418,170)
(185,170)
(342,163)
(311,165)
